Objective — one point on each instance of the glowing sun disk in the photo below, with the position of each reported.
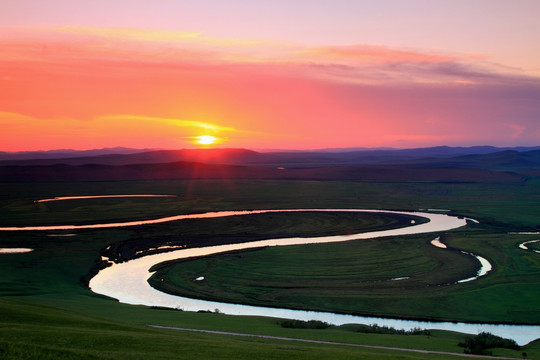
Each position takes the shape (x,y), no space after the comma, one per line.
(205,139)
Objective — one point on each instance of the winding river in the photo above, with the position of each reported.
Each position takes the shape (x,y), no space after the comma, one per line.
(485,266)
(62,198)
(127,282)
(14,250)
(525,247)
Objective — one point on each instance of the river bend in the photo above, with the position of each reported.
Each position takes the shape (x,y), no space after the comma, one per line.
(128,282)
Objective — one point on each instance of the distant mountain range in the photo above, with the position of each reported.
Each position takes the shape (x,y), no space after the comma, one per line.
(441,163)
(66,153)
(125,156)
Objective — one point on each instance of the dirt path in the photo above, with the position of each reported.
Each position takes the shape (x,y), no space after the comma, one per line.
(332,343)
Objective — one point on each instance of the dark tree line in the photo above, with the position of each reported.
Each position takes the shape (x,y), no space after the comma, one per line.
(479,343)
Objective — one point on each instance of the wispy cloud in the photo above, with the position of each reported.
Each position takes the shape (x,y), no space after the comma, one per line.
(354,63)
(517,130)
(132,33)
(365,54)
(170,121)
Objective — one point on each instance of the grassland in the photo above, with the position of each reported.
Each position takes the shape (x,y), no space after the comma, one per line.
(47,311)
(512,204)
(356,277)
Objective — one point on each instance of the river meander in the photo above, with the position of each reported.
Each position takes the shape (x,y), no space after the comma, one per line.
(128,281)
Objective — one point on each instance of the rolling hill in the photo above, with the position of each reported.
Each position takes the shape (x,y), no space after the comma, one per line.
(428,164)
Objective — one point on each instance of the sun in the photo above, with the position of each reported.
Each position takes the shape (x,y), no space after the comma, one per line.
(205,140)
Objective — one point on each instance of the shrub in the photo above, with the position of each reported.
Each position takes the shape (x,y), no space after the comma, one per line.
(300,324)
(479,343)
(376,329)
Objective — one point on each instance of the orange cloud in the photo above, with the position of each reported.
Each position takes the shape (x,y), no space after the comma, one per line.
(132,33)
(33,133)
(170,121)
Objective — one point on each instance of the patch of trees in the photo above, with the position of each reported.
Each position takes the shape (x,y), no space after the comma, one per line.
(366,329)
(300,324)
(480,343)
(376,329)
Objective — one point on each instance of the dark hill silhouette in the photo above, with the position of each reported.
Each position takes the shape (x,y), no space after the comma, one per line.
(430,164)
(433,155)
(219,156)
(66,153)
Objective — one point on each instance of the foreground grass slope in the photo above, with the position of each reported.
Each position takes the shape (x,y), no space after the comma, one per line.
(30,331)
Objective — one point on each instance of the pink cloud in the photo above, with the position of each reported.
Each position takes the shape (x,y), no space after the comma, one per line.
(517,130)
(370,54)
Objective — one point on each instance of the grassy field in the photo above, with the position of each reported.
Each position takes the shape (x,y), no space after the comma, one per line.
(46,311)
(512,204)
(356,277)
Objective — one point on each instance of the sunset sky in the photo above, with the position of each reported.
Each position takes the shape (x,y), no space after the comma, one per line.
(268,74)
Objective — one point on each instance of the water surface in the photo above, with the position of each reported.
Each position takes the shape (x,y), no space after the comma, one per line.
(14,250)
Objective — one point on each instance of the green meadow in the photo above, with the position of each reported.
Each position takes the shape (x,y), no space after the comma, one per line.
(357,277)
(48,312)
